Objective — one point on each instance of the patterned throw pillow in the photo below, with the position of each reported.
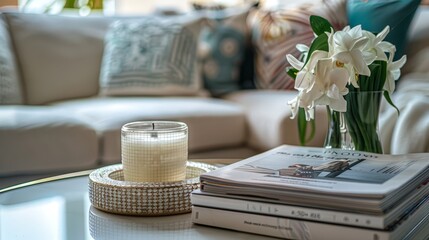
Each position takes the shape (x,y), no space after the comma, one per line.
(10,86)
(275,33)
(151,56)
(223,48)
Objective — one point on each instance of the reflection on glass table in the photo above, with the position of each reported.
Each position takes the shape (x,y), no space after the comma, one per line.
(61,209)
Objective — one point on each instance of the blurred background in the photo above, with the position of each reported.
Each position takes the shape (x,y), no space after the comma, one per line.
(130,7)
(112,7)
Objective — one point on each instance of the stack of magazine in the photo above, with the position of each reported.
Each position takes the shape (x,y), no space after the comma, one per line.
(316,193)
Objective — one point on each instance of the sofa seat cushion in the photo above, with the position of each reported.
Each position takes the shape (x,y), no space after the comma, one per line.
(44,139)
(212,123)
(268,117)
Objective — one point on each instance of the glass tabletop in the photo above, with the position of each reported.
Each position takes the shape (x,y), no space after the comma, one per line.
(59,208)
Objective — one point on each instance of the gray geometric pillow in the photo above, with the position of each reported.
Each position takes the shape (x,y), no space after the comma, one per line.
(151,56)
(10,85)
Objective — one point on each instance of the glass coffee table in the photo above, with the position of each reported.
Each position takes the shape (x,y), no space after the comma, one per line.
(59,208)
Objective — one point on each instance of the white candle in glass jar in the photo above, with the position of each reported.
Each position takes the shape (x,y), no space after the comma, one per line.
(154,151)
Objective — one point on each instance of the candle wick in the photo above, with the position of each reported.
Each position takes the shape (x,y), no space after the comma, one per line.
(154,134)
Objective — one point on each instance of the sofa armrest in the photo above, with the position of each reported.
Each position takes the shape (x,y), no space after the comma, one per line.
(268,118)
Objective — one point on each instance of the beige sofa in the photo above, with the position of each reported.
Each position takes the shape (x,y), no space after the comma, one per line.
(62,122)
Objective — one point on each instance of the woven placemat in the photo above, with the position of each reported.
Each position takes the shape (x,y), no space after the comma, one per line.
(109,192)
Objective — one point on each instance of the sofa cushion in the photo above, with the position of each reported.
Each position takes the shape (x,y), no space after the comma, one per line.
(59,56)
(276,33)
(223,48)
(44,139)
(152,56)
(374,16)
(269,118)
(212,123)
(418,48)
(10,82)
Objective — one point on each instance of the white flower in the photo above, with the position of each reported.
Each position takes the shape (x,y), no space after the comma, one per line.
(322,77)
(393,72)
(304,78)
(376,48)
(350,68)
(347,48)
(327,88)
(304,51)
(330,85)
(355,32)
(302,100)
(302,48)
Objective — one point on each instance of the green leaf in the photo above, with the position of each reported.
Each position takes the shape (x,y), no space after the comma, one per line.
(319,43)
(375,82)
(292,72)
(302,126)
(320,25)
(378,75)
(389,100)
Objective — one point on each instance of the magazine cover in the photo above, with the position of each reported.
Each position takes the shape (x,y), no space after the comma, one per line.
(324,171)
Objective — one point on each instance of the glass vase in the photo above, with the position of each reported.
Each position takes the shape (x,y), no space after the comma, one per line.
(357,128)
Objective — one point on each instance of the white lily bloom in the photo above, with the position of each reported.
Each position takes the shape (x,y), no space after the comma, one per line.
(393,72)
(294,106)
(350,68)
(304,50)
(295,63)
(302,100)
(304,78)
(322,77)
(331,43)
(383,45)
(302,47)
(330,85)
(352,79)
(355,32)
(347,48)
(328,88)
(376,48)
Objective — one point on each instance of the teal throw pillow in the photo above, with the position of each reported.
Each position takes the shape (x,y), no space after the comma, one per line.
(224,44)
(374,15)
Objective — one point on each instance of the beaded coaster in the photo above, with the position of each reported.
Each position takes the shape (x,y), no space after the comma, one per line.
(109,192)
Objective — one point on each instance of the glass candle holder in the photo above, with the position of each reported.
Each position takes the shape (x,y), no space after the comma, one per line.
(154,151)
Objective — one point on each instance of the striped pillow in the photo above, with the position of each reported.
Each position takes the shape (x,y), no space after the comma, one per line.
(275,33)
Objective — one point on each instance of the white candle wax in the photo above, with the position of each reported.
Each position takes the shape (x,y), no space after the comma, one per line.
(154,155)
